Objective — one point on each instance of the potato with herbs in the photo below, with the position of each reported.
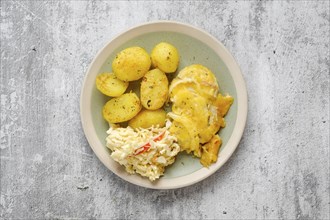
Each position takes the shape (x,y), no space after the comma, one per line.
(154,89)
(165,57)
(148,118)
(110,85)
(122,108)
(131,64)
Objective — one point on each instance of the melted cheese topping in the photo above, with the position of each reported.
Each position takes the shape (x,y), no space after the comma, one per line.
(197,108)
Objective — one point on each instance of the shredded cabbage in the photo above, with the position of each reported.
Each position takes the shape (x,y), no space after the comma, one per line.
(143,151)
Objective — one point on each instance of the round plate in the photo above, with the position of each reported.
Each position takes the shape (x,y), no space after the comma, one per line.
(195,47)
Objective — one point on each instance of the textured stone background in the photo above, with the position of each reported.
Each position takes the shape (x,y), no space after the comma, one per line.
(280,169)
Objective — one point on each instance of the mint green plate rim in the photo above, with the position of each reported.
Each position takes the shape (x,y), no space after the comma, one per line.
(88,86)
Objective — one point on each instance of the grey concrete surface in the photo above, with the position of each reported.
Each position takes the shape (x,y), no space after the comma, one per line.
(280,169)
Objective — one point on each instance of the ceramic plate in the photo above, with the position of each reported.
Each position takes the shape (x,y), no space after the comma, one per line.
(195,47)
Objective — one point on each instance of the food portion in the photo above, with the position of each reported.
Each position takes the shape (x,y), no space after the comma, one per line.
(199,78)
(143,151)
(154,89)
(110,85)
(122,108)
(165,57)
(197,112)
(131,64)
(143,137)
(210,151)
(148,118)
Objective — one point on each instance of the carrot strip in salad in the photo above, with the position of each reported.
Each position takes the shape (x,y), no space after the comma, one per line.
(146,147)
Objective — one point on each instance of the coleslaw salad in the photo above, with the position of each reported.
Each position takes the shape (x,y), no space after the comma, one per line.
(143,151)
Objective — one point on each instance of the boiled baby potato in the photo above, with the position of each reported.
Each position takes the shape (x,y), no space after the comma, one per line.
(122,108)
(110,85)
(165,57)
(154,89)
(148,118)
(131,64)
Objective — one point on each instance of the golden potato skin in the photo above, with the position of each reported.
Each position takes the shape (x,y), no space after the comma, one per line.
(131,64)
(122,108)
(154,89)
(110,85)
(165,57)
(148,118)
